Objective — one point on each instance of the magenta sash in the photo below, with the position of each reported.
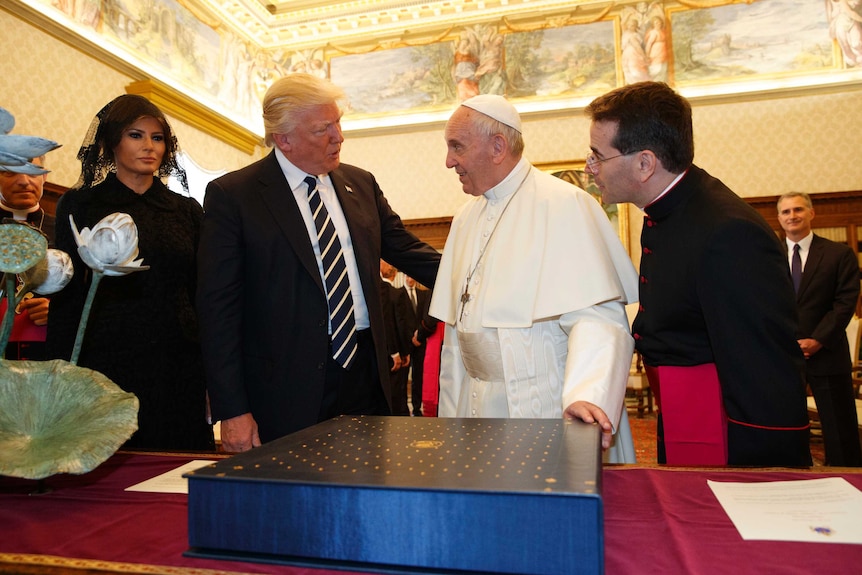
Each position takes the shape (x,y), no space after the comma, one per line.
(23,329)
(693,416)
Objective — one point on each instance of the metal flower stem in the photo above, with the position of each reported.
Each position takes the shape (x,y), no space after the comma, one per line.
(85,315)
(9,318)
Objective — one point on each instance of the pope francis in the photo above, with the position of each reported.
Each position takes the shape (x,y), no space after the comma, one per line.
(532,288)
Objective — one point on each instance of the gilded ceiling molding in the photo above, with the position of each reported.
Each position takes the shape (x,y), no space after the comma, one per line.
(711,3)
(183,108)
(200,13)
(386,45)
(557,21)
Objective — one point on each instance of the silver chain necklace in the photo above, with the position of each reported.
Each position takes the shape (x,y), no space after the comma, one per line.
(467,296)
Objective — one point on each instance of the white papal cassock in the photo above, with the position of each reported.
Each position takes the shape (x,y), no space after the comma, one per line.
(544,324)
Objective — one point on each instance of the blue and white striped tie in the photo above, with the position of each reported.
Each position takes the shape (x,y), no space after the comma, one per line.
(338,294)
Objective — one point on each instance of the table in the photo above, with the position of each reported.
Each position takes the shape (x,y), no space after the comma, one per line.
(89,522)
(657,520)
(667,521)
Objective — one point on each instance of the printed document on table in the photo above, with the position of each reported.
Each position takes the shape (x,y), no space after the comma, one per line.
(171,481)
(817,510)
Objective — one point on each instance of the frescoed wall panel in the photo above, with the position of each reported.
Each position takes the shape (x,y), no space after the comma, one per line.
(738,41)
(543,60)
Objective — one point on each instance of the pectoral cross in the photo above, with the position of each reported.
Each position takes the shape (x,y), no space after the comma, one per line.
(465,297)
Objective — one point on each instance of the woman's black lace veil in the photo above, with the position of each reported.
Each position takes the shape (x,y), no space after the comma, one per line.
(106,130)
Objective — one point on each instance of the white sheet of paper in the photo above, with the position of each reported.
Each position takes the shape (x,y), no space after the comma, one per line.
(171,481)
(824,510)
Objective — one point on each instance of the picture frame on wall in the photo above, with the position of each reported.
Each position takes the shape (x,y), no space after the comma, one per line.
(575,173)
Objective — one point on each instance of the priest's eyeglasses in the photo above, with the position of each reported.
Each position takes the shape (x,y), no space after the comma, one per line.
(594,161)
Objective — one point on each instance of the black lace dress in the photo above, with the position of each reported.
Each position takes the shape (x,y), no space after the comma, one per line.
(142,331)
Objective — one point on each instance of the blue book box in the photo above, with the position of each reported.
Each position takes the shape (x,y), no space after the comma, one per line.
(410,495)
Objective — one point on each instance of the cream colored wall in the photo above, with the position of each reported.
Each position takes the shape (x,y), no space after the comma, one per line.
(810,143)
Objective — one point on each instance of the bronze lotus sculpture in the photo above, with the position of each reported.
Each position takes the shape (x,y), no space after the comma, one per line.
(56,417)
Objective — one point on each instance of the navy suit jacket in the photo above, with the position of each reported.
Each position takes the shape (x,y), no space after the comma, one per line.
(261,301)
(826,301)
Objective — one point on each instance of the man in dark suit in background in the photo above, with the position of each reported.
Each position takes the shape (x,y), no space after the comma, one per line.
(717,309)
(420,299)
(269,334)
(390,326)
(826,297)
(396,311)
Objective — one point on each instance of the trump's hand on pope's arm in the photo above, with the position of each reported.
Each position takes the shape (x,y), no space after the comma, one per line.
(239,433)
(590,413)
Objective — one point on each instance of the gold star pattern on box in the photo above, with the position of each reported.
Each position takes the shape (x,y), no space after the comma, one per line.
(520,455)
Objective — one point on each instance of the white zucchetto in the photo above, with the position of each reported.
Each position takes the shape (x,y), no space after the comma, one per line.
(496,107)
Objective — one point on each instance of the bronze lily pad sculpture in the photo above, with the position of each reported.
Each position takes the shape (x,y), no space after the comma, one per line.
(56,417)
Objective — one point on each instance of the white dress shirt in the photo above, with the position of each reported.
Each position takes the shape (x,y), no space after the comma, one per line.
(295,179)
(804,249)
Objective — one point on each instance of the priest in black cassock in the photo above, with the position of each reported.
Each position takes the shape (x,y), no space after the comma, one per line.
(717,319)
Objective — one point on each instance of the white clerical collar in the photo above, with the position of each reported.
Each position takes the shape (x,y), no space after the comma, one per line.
(668,188)
(19,214)
(510,183)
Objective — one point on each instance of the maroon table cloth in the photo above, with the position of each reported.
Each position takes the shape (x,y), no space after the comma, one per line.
(667,521)
(656,521)
(92,517)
